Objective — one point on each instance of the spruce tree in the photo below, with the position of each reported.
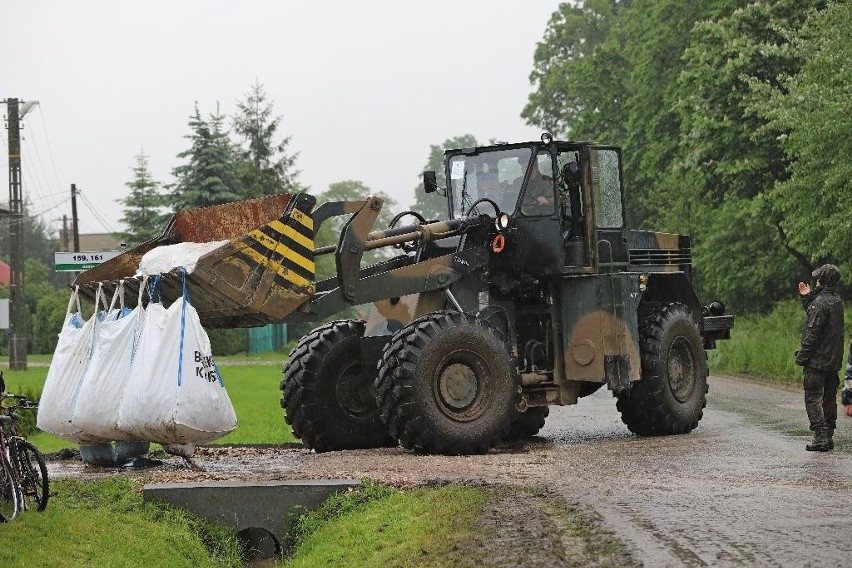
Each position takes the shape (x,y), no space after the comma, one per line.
(143,206)
(210,175)
(266,167)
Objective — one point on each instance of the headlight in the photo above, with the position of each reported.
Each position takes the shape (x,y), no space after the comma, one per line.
(502,221)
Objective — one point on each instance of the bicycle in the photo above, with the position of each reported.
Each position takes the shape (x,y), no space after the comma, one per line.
(24,483)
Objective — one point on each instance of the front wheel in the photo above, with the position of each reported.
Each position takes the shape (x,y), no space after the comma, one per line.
(446,385)
(672,394)
(328,391)
(33,472)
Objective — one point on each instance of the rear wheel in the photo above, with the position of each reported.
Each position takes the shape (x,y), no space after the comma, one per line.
(446,385)
(671,396)
(34,483)
(329,394)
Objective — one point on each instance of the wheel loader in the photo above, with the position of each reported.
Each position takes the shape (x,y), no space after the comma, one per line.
(530,292)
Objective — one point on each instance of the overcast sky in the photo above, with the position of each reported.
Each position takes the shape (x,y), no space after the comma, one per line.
(364,88)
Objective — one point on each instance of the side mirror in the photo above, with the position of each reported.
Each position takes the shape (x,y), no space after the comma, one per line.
(430,182)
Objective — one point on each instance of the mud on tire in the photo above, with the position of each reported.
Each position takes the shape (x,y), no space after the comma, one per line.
(527,424)
(446,385)
(671,396)
(328,394)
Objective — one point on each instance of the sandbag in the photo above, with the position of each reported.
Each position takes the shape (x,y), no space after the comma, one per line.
(95,413)
(181,255)
(176,395)
(67,367)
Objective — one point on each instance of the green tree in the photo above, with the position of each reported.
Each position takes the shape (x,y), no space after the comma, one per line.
(809,114)
(39,242)
(45,306)
(267,167)
(329,232)
(210,174)
(606,71)
(434,205)
(143,206)
(578,74)
(728,153)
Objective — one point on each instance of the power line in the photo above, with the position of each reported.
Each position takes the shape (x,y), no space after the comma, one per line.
(49,149)
(31,218)
(104,223)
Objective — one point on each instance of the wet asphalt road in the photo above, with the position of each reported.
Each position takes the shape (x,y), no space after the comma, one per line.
(738,491)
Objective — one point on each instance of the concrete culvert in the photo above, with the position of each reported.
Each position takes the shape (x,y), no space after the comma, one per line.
(257,543)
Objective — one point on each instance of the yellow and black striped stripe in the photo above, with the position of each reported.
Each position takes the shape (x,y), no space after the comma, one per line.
(286,246)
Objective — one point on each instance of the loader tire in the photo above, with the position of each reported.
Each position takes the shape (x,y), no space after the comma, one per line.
(446,385)
(527,424)
(672,394)
(328,394)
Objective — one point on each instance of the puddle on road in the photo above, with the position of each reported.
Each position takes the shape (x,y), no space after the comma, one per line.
(214,463)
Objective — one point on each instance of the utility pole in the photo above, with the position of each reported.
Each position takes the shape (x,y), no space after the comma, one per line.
(64,235)
(18,315)
(74,223)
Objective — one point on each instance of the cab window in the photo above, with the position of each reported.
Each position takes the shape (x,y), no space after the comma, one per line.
(539,195)
(606,181)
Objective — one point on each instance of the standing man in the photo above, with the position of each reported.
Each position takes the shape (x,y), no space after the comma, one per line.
(821,353)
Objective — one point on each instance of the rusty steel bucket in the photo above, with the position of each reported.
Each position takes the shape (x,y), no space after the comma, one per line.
(262,274)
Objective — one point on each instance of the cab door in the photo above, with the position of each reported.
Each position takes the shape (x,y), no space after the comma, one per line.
(610,247)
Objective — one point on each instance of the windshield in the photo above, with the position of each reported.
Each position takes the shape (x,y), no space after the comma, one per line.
(496,175)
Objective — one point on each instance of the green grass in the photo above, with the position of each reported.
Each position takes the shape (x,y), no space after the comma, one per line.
(256,396)
(377,526)
(106,523)
(253,389)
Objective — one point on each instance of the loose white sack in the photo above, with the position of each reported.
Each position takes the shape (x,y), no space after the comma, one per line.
(165,258)
(69,363)
(176,395)
(95,413)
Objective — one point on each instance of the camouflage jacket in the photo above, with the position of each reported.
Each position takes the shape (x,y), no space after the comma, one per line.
(822,331)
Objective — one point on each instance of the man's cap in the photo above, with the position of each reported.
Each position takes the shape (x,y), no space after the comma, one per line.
(828,274)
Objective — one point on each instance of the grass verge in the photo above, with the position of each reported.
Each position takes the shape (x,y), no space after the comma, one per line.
(379,526)
(253,389)
(106,523)
(763,346)
(452,525)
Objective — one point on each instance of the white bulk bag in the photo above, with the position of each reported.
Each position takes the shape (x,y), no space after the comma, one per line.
(168,257)
(69,363)
(95,413)
(176,395)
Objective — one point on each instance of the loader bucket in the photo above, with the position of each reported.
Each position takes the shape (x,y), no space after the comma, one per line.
(263,272)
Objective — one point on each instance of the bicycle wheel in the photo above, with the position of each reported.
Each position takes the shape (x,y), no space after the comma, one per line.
(33,476)
(9,495)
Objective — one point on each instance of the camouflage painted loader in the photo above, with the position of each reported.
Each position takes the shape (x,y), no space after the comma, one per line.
(532,292)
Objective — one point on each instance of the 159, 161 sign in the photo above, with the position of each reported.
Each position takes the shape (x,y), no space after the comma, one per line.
(83,260)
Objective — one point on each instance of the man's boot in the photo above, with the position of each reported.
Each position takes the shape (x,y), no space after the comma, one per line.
(820,443)
(830,432)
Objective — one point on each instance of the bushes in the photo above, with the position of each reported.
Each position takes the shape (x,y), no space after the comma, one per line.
(764,345)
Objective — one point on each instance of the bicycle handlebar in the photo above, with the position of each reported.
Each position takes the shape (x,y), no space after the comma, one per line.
(22,400)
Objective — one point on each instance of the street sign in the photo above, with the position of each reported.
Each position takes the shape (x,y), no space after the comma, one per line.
(83,260)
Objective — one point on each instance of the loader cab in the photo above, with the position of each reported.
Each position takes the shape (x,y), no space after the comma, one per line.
(482,178)
(565,200)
